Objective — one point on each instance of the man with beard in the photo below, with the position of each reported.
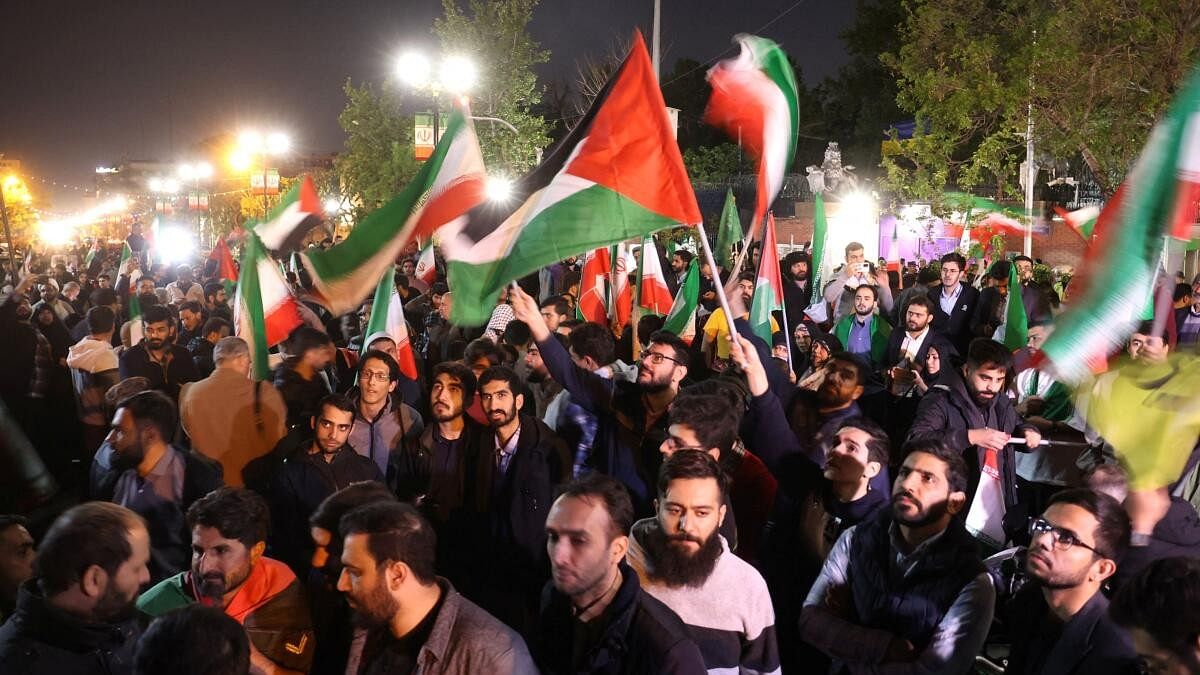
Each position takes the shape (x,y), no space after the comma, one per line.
(839,292)
(312,472)
(382,421)
(216,301)
(683,561)
(595,616)
(975,416)
(157,358)
(541,385)
(77,615)
(229,571)
(909,346)
(633,419)
(797,289)
(906,590)
(184,288)
(954,302)
(16,560)
(191,319)
(139,469)
(864,332)
(680,260)
(1059,622)
(555,310)
(416,621)
(513,478)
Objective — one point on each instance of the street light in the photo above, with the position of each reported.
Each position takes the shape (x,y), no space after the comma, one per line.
(456,75)
(253,142)
(194,173)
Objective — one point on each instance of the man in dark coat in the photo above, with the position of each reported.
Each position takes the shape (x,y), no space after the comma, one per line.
(78,615)
(954,303)
(168,366)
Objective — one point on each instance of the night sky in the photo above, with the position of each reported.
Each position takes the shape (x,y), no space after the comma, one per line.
(87,83)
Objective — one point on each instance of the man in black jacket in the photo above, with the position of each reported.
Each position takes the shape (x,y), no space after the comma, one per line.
(1059,622)
(77,615)
(513,477)
(595,617)
(972,414)
(168,366)
(954,303)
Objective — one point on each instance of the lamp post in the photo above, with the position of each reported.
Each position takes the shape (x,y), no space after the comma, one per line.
(456,75)
(195,173)
(164,189)
(264,145)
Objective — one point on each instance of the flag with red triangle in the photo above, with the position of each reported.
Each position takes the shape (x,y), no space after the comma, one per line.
(768,287)
(298,211)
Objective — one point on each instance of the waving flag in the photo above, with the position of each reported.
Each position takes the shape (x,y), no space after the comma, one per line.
(621,297)
(729,232)
(653,294)
(681,320)
(426,265)
(265,312)
(768,287)
(593,288)
(387,320)
(1081,221)
(298,212)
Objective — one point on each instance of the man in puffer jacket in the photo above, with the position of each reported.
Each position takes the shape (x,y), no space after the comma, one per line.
(94,368)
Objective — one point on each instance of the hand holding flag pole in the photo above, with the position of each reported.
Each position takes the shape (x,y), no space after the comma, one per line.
(735,346)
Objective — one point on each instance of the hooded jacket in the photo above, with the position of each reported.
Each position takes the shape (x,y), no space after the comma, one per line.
(1177,534)
(94,369)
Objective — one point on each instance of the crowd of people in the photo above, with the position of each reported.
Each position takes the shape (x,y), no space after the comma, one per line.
(883,488)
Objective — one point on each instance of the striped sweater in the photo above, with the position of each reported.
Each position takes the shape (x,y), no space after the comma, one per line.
(730,617)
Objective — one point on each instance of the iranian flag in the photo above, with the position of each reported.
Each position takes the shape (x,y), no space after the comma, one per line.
(621,296)
(387,320)
(298,212)
(265,312)
(754,100)
(653,294)
(681,320)
(593,288)
(768,287)
(1130,235)
(449,184)
(1081,221)
(617,176)
(729,232)
(991,218)
(426,269)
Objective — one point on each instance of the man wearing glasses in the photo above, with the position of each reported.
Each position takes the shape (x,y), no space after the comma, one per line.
(1059,621)
(382,420)
(633,415)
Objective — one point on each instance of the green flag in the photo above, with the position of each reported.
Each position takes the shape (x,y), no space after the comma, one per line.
(1016,324)
(820,229)
(729,231)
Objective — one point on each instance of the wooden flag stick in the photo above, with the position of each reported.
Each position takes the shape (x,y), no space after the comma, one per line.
(708,256)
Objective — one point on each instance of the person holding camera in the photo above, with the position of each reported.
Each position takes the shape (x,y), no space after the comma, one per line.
(839,293)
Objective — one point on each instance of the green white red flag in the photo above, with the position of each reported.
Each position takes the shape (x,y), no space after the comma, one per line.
(387,320)
(768,287)
(755,101)
(299,211)
(621,294)
(1130,233)
(681,320)
(617,176)
(593,287)
(653,294)
(127,268)
(426,269)
(449,184)
(265,312)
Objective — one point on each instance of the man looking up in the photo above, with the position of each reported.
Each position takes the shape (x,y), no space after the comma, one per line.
(908,584)
(229,570)
(595,601)
(77,615)
(156,358)
(1059,623)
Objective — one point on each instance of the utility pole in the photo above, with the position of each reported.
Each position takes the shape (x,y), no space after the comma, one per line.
(655,54)
(1030,170)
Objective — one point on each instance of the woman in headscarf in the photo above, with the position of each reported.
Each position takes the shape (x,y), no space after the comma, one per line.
(823,345)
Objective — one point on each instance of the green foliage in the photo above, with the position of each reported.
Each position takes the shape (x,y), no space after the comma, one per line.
(495,35)
(378,160)
(1097,73)
(714,164)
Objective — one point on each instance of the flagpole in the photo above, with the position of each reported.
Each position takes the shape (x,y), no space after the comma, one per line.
(741,259)
(708,256)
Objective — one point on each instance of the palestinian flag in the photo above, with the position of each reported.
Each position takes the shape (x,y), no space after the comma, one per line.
(449,184)
(426,269)
(126,266)
(754,100)
(265,312)
(1130,234)
(1081,221)
(621,297)
(729,232)
(653,294)
(593,288)
(387,320)
(817,310)
(617,176)
(768,287)
(226,270)
(298,212)
(681,320)
(1016,323)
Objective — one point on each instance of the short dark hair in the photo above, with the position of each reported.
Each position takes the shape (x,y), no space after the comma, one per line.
(216,324)
(1000,270)
(152,408)
(396,532)
(517,332)
(926,275)
(682,351)
(502,374)
(1022,258)
(483,348)
(612,493)
(8,520)
(710,417)
(855,361)
(100,319)
(868,287)
(103,296)
(93,533)
(211,288)
(193,640)
(330,511)
(684,255)
(237,513)
(922,300)
(385,358)
(339,401)
(685,464)
(556,301)
(439,288)
(880,446)
(956,466)
(1164,601)
(955,257)
(1182,291)
(649,325)
(1112,523)
(158,314)
(987,352)
(192,306)
(460,372)
(594,340)
(752,277)
(305,338)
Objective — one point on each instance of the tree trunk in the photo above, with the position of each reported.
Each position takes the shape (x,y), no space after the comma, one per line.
(1098,173)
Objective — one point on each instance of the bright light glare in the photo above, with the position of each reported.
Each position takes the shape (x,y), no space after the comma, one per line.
(56,232)
(170,186)
(332,205)
(250,141)
(859,207)
(278,143)
(414,69)
(175,244)
(203,170)
(156,184)
(239,160)
(457,74)
(499,188)
(197,171)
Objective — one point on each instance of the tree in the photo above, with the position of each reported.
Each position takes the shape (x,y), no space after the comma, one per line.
(495,35)
(717,163)
(379,159)
(1097,74)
